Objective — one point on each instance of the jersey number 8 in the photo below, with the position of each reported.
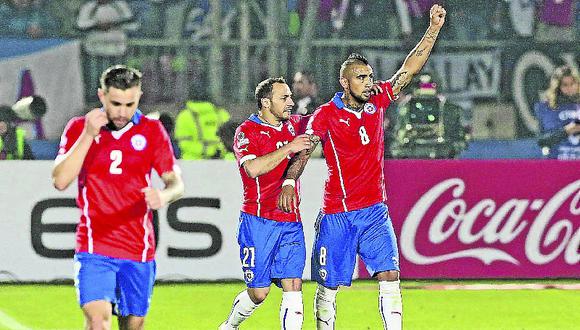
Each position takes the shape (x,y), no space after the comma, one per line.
(364,137)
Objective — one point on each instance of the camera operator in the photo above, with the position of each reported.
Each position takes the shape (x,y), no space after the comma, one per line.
(559,116)
(426,124)
(12,138)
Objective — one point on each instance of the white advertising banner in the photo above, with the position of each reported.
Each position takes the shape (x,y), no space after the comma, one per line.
(197,234)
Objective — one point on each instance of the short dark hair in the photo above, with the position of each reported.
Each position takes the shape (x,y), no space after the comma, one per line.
(264,89)
(121,77)
(353,58)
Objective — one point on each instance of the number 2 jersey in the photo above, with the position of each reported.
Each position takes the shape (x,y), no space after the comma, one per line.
(115,220)
(353,145)
(255,138)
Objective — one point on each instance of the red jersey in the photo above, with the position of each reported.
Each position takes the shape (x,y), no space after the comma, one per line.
(255,138)
(353,145)
(115,220)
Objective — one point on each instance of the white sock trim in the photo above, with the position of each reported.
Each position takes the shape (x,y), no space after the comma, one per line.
(291,311)
(391,304)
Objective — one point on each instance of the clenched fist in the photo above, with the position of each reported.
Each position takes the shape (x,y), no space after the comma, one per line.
(94,120)
(154,198)
(437,15)
(299,143)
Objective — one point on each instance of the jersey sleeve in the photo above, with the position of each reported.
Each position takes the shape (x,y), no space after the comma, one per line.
(70,135)
(299,122)
(246,145)
(317,123)
(163,159)
(385,98)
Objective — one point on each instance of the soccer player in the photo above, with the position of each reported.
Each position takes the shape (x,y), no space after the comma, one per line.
(355,218)
(112,151)
(271,241)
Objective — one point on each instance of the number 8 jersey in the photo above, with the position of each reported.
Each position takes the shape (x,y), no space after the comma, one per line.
(115,220)
(353,145)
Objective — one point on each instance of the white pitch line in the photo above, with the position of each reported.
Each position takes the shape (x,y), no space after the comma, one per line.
(10,323)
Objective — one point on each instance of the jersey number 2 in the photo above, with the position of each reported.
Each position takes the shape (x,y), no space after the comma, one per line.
(117,158)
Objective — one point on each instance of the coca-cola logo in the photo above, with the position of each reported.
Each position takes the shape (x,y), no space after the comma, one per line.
(504,224)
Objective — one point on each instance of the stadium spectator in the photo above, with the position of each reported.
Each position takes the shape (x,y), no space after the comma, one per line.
(197,24)
(13,143)
(27,19)
(196,130)
(105,23)
(559,115)
(272,247)
(364,13)
(65,13)
(556,21)
(305,90)
(355,219)
(112,151)
(226,132)
(330,18)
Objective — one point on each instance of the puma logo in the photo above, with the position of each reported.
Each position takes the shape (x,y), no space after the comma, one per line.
(327,322)
(345,121)
(265,133)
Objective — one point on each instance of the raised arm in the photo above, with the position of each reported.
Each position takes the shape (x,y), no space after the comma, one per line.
(287,198)
(419,55)
(68,166)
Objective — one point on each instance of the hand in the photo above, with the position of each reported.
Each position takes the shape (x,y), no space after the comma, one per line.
(572,128)
(154,198)
(287,199)
(437,16)
(299,143)
(94,120)
(376,88)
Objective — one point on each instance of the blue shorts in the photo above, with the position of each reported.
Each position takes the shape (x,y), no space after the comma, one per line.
(270,250)
(340,236)
(127,284)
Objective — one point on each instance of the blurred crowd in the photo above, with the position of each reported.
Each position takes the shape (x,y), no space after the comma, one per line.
(545,20)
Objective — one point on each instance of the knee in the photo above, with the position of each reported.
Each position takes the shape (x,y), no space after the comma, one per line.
(258,295)
(136,323)
(292,284)
(390,275)
(98,322)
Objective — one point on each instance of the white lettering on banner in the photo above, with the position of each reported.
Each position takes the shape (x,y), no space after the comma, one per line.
(505,224)
(461,74)
(540,225)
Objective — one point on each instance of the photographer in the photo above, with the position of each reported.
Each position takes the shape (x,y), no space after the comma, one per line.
(12,138)
(559,116)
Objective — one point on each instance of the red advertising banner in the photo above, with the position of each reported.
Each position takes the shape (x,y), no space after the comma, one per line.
(486,219)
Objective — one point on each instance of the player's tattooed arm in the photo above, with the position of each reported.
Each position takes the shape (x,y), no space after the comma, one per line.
(419,55)
(264,164)
(287,199)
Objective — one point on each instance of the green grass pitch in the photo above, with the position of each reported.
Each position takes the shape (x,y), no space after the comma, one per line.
(204,306)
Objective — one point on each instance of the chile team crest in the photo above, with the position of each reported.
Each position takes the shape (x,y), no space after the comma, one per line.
(138,142)
(370,108)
